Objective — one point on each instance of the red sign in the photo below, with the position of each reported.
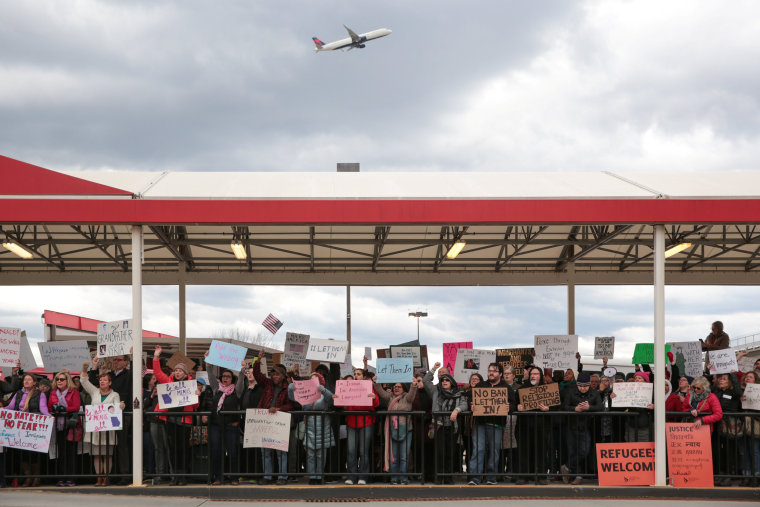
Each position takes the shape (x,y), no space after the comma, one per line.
(625,464)
(689,455)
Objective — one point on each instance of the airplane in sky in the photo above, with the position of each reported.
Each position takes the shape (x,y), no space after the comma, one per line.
(354,41)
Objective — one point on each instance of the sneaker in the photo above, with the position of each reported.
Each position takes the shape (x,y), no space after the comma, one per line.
(70,483)
(394,481)
(542,482)
(566,474)
(361,482)
(282,482)
(473,483)
(349,482)
(491,482)
(577,481)
(725,482)
(405,482)
(521,482)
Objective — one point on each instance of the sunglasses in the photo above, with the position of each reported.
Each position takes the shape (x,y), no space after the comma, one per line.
(61,379)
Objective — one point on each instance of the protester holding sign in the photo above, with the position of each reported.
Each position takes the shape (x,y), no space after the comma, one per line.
(398,429)
(750,445)
(102,442)
(319,436)
(29,399)
(223,430)
(250,393)
(359,434)
(532,434)
(64,403)
(716,340)
(579,442)
(726,441)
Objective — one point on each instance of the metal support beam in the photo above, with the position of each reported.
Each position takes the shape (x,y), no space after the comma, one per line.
(659,356)
(570,298)
(182,314)
(137,409)
(348,317)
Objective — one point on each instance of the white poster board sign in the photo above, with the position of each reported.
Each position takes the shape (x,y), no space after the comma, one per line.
(752,397)
(28,361)
(415,353)
(295,352)
(632,394)
(25,430)
(604,346)
(556,351)
(105,417)
(471,361)
(331,351)
(64,354)
(115,338)
(177,394)
(10,346)
(723,361)
(688,357)
(270,431)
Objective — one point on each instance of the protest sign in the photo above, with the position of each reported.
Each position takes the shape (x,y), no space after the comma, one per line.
(556,351)
(368,353)
(413,352)
(25,430)
(295,352)
(752,397)
(10,346)
(604,346)
(346,367)
(490,401)
(64,354)
(179,357)
(542,394)
(688,357)
(689,455)
(391,370)
(450,353)
(625,464)
(114,338)
(28,361)
(518,359)
(102,417)
(306,391)
(226,355)
(270,431)
(632,394)
(723,361)
(644,353)
(471,361)
(350,393)
(332,351)
(201,375)
(177,394)
(746,363)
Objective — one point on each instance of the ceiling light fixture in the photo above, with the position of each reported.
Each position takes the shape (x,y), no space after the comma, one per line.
(18,249)
(239,250)
(455,249)
(676,249)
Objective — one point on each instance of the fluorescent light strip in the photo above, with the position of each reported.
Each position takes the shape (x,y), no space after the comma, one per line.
(19,250)
(455,249)
(676,249)
(239,250)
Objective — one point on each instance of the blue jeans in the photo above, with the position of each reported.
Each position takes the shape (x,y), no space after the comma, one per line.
(275,461)
(578,446)
(400,449)
(359,439)
(749,448)
(217,449)
(486,444)
(315,462)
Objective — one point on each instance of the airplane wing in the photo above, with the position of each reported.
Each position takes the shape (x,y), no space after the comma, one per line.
(354,37)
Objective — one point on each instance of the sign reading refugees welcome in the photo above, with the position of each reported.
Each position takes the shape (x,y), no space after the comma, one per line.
(625,464)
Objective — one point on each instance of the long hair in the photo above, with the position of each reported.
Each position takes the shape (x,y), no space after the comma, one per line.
(69,382)
(31,392)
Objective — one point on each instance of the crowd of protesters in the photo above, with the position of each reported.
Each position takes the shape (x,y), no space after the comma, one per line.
(433,437)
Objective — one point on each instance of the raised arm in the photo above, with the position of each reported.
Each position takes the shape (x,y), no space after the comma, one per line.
(427,381)
(380,392)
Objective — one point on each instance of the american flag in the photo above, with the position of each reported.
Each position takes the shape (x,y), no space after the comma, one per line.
(272,323)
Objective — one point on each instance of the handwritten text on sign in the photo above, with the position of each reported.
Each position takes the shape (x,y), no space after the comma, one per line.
(751,398)
(353,393)
(25,430)
(450,353)
(114,338)
(66,354)
(518,359)
(723,361)
(689,455)
(306,391)
(625,464)
(632,394)
(332,351)
(102,417)
(413,352)
(10,346)
(490,401)
(394,370)
(177,394)
(556,351)
(604,346)
(226,355)
(270,431)
(295,352)
(688,357)
(543,394)
(471,361)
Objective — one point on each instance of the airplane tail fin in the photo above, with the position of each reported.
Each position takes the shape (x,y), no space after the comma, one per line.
(317,43)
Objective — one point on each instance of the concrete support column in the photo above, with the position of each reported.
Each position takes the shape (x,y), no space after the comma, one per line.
(137,346)
(660,447)
(182,315)
(571,298)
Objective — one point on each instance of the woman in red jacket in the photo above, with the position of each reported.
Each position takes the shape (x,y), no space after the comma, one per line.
(64,404)
(700,399)
(178,428)
(360,429)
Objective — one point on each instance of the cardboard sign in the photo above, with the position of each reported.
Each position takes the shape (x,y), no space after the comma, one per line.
(752,395)
(105,417)
(394,370)
(10,346)
(179,357)
(604,346)
(65,354)
(413,352)
(306,391)
(543,394)
(25,430)
(644,353)
(625,464)
(556,351)
(723,361)
(177,394)
(471,361)
(226,355)
(353,393)
(450,353)
(689,455)
(331,351)
(490,401)
(632,394)
(518,359)
(688,357)
(115,338)
(269,431)
(295,352)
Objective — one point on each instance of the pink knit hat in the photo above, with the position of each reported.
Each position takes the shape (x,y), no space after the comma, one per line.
(643,375)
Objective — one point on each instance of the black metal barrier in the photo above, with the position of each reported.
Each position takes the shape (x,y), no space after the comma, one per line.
(333,446)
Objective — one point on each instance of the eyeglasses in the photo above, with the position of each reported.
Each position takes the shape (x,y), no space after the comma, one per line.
(61,379)
(696,388)
(398,387)
(226,376)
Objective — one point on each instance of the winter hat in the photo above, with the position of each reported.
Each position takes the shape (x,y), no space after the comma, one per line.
(449,378)
(181,366)
(320,377)
(643,375)
(688,378)
(201,381)
(584,378)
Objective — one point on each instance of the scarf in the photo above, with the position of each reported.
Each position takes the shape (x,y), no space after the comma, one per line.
(448,399)
(28,399)
(697,398)
(226,391)
(61,421)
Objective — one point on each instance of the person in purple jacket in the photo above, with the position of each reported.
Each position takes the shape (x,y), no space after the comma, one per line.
(29,399)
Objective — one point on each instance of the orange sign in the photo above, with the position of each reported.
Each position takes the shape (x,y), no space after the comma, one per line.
(689,455)
(625,464)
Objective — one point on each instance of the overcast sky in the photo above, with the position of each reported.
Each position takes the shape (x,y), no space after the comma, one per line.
(467,86)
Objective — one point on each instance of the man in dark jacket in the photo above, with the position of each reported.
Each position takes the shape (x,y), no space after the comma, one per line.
(579,442)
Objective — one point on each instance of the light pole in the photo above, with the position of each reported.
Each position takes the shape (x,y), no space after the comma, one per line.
(417,315)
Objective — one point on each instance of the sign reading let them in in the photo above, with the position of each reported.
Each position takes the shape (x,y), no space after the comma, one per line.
(490,401)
